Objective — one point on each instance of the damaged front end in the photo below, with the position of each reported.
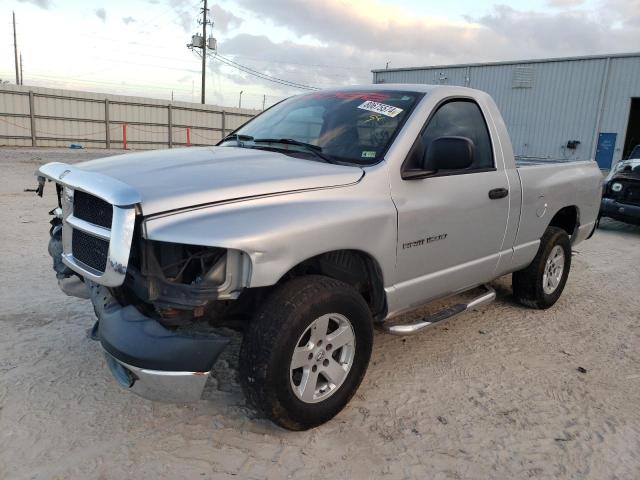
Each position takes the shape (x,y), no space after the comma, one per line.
(70,282)
(183,284)
(158,305)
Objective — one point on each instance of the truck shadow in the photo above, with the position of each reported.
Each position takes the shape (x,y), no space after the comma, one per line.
(610,225)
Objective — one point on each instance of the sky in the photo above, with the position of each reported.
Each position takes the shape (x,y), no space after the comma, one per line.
(139,47)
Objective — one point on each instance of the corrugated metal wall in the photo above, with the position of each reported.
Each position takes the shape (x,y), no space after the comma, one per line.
(61,117)
(547,103)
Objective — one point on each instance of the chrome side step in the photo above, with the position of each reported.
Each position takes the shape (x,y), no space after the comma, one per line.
(450,312)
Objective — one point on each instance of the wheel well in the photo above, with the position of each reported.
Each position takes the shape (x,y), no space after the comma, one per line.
(567,219)
(354,267)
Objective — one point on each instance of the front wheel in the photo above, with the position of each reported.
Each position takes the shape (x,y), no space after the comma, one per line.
(306,351)
(542,282)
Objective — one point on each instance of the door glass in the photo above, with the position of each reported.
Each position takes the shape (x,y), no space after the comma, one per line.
(460,118)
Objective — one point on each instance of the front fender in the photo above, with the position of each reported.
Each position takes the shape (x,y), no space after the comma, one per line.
(279,232)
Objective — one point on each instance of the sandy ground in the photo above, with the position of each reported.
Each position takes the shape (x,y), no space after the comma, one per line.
(493,394)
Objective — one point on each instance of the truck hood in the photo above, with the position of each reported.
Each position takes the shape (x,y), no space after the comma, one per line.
(630,165)
(181,178)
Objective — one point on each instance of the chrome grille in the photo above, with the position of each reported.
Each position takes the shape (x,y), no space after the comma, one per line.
(97,231)
(92,209)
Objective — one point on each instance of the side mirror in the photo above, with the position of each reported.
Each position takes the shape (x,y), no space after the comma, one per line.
(449,153)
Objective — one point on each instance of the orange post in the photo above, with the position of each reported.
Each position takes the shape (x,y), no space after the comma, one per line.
(188,136)
(124,136)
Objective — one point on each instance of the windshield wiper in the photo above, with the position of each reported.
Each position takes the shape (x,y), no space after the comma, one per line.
(310,147)
(237,137)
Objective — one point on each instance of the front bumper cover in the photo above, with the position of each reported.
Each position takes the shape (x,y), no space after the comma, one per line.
(144,356)
(149,359)
(624,212)
(159,385)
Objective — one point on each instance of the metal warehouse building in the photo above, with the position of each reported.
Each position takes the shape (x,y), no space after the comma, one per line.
(571,108)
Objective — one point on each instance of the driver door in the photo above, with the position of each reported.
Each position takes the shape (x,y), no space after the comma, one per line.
(450,232)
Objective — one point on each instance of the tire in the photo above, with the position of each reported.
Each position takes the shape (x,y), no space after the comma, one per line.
(541,284)
(282,326)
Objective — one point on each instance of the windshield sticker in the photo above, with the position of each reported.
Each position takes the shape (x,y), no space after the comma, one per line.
(384,109)
(368,154)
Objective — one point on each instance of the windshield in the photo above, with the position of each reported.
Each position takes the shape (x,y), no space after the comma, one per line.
(635,153)
(341,126)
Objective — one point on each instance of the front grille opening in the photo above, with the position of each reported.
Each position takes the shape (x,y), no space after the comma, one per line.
(631,193)
(90,250)
(92,209)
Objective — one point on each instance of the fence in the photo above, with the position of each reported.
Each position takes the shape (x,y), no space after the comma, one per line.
(33,116)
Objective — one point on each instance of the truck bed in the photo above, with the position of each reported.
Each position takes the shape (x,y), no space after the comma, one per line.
(548,186)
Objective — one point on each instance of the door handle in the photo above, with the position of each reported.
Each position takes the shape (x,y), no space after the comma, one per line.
(498,193)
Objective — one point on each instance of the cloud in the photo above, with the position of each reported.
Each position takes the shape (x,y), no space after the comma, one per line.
(503,33)
(128,20)
(367,25)
(187,15)
(306,64)
(534,34)
(565,3)
(223,19)
(101,13)
(38,3)
(340,43)
(626,12)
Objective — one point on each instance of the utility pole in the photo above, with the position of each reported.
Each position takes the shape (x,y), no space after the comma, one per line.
(15,49)
(203,43)
(240,100)
(21,76)
(264,99)
(204,46)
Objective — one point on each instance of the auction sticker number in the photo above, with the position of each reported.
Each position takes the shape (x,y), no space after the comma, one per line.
(382,108)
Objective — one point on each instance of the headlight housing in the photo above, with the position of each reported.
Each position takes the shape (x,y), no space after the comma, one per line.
(66,200)
(616,187)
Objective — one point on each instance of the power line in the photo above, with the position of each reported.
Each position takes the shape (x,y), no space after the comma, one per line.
(96,42)
(261,75)
(319,65)
(65,80)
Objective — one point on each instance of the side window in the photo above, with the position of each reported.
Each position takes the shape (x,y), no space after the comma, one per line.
(460,118)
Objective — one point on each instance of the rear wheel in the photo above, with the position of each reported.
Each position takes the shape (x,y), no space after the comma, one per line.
(542,282)
(306,351)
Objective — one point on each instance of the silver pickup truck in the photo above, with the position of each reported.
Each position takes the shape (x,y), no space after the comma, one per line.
(325,216)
